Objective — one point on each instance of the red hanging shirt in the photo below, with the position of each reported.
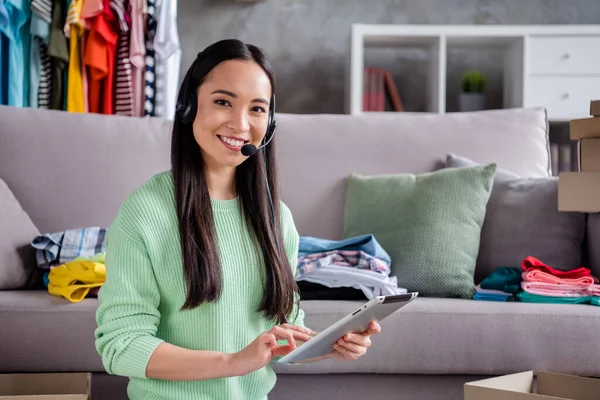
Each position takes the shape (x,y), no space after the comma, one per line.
(100,53)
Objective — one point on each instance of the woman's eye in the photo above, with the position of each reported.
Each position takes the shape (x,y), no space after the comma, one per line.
(258,109)
(222,102)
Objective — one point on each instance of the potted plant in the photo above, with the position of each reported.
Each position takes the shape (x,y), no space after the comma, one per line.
(472,98)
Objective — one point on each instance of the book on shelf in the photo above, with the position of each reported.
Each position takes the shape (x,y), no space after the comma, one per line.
(379,91)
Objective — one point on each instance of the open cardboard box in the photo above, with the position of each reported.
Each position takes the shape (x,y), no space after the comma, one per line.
(529,386)
(46,386)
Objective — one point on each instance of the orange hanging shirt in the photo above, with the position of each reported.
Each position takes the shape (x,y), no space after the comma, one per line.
(100,52)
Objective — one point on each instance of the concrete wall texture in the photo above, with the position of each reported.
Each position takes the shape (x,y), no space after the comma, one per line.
(308,41)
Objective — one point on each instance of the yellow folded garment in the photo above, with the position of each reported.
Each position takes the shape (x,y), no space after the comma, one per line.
(74,279)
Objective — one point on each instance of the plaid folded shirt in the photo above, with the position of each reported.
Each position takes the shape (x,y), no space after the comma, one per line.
(350,258)
(60,247)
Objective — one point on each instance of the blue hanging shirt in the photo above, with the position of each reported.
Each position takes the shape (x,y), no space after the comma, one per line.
(3,55)
(40,33)
(17,31)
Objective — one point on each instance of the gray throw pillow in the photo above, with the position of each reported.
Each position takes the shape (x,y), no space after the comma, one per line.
(17,256)
(522,219)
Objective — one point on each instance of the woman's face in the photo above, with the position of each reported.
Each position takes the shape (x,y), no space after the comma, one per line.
(233,110)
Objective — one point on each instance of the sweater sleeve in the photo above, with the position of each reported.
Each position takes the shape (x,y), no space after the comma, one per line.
(127,315)
(291,240)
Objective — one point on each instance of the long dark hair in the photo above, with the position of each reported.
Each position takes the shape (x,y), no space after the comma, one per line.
(201,265)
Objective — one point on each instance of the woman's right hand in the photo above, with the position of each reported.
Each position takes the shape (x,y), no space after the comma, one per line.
(265,347)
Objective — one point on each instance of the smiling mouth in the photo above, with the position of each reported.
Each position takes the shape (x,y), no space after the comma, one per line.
(231,141)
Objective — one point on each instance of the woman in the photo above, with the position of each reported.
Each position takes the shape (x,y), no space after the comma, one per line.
(198,297)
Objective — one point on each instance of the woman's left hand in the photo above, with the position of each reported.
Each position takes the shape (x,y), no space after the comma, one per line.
(354,345)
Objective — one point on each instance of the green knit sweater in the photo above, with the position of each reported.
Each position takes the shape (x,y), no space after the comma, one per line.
(145,287)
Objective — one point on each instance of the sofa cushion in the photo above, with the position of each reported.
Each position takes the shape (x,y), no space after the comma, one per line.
(428,336)
(116,154)
(593,240)
(430,224)
(45,333)
(17,257)
(459,336)
(316,153)
(522,219)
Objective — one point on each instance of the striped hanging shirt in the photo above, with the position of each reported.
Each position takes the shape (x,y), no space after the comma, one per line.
(124,83)
(43,9)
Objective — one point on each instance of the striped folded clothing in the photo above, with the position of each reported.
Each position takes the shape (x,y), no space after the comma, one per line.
(348,258)
(544,277)
(560,290)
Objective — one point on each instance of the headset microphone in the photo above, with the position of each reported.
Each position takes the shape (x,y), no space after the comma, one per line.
(250,149)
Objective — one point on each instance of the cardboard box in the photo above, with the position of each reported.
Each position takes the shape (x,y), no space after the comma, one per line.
(579,191)
(529,386)
(589,154)
(584,128)
(46,386)
(595,108)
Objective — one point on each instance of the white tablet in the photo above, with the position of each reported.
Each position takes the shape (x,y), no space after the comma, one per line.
(359,320)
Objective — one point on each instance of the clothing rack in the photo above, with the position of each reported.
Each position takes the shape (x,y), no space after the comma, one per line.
(98,56)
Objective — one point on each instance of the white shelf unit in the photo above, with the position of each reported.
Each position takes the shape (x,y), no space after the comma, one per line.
(552,66)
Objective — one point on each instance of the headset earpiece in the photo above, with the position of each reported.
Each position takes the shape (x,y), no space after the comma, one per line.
(188,105)
(272,123)
(189,109)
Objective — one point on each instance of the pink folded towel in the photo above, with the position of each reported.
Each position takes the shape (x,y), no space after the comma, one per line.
(560,290)
(541,276)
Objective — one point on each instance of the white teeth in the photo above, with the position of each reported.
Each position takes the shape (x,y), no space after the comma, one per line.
(233,142)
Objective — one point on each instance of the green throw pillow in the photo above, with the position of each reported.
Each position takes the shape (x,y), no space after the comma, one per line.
(429,223)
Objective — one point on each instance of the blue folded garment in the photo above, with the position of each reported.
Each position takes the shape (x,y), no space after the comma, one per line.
(493,297)
(366,243)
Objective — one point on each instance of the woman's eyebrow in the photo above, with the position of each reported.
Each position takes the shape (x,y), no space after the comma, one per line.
(231,94)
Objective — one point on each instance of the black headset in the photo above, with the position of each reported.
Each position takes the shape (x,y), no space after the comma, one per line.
(187,106)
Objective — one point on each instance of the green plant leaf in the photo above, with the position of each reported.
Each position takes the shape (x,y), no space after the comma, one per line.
(473,82)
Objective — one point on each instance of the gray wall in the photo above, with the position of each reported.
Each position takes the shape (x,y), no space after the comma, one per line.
(308,40)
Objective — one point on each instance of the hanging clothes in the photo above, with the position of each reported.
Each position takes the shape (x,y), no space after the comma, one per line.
(18,16)
(3,55)
(89,10)
(74,29)
(149,84)
(103,56)
(43,9)
(58,50)
(3,69)
(100,52)
(123,86)
(137,54)
(168,59)
(41,63)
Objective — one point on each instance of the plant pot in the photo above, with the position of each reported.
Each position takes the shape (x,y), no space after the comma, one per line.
(471,102)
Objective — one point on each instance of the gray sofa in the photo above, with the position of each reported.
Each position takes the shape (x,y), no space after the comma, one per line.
(74,170)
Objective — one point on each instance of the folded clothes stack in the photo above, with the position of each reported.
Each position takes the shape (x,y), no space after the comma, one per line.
(358,262)
(72,262)
(77,279)
(500,285)
(544,284)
